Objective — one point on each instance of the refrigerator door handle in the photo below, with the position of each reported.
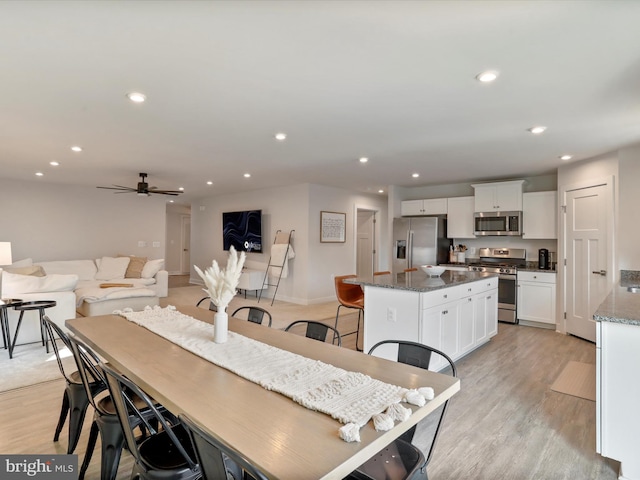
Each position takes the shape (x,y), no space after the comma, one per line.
(410,249)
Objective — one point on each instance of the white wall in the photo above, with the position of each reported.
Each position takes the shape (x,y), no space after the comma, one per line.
(295,207)
(47,221)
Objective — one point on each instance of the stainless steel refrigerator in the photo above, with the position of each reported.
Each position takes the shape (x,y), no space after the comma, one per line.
(419,241)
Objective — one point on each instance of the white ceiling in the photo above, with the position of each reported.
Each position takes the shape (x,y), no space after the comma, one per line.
(393,81)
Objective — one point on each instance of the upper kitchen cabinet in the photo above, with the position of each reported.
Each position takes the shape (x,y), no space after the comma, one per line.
(460,217)
(499,196)
(432,206)
(540,215)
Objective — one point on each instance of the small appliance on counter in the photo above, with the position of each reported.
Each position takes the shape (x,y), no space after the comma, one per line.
(543,259)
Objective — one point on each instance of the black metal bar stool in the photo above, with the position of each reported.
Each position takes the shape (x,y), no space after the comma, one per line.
(39,305)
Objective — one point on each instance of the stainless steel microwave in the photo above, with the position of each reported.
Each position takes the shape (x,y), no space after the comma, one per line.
(497,223)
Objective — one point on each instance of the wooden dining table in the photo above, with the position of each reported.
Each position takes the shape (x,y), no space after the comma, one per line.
(282,438)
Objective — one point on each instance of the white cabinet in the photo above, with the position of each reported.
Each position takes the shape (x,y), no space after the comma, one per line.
(537,297)
(498,196)
(617,394)
(460,217)
(432,206)
(540,215)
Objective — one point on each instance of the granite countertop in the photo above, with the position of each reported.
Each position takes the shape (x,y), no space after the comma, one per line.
(621,306)
(531,266)
(419,281)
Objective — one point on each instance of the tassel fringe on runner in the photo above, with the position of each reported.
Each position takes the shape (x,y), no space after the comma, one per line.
(352,398)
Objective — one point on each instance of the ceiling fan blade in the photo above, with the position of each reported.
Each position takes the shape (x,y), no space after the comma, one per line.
(166,192)
(119,187)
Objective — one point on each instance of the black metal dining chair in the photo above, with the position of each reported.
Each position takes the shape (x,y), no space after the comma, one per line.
(316,330)
(74,400)
(166,453)
(254,314)
(212,306)
(216,458)
(401,460)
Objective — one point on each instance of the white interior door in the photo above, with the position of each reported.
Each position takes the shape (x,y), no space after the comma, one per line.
(589,268)
(366,243)
(185,259)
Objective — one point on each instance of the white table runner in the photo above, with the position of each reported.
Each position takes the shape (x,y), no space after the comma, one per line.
(352,398)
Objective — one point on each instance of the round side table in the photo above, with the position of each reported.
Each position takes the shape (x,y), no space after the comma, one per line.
(4,319)
(39,305)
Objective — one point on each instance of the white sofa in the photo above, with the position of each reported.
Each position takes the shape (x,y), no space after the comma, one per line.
(75,285)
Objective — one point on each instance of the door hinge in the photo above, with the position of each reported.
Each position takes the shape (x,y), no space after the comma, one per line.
(565,262)
(565,315)
(564,208)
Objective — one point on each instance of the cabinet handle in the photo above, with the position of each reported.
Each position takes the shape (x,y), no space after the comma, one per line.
(601,272)
(535,276)
(469,300)
(468,289)
(445,295)
(445,312)
(489,297)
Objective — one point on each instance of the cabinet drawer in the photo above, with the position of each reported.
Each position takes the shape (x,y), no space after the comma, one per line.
(444,295)
(539,277)
(479,286)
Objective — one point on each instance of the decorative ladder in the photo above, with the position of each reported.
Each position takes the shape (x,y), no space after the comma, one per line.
(280,238)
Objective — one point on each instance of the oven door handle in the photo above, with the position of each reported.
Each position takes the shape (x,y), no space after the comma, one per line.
(507,277)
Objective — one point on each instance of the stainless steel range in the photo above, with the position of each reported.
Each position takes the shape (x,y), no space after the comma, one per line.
(505,262)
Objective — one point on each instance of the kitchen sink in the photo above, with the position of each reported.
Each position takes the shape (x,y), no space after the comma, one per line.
(635,289)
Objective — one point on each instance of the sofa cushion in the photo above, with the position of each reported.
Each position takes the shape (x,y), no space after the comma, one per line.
(33,270)
(152,267)
(84,269)
(112,268)
(14,284)
(136,264)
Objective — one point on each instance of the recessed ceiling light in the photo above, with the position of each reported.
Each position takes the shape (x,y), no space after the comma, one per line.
(209,182)
(537,130)
(281,136)
(181,189)
(170,201)
(136,97)
(247,175)
(380,191)
(364,159)
(566,157)
(487,77)
(39,174)
(54,163)
(76,148)
(415,175)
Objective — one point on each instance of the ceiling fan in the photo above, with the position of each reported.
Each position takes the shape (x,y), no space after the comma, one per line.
(143,188)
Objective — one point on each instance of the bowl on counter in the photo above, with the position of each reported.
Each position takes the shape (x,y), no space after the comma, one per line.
(432,270)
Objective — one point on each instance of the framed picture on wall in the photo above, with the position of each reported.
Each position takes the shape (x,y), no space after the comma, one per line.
(332,227)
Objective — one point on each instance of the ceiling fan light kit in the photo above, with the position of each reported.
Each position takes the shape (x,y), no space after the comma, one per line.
(143,189)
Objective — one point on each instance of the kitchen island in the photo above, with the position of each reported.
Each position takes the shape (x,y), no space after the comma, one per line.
(455,312)
(617,381)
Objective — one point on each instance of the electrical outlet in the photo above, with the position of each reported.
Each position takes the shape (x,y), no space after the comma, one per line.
(142,243)
(472,250)
(391,314)
(156,244)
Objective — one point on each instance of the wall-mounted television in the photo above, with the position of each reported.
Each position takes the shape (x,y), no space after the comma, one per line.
(243,230)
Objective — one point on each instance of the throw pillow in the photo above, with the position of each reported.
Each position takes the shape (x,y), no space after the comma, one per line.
(136,264)
(33,270)
(27,262)
(152,267)
(14,284)
(112,268)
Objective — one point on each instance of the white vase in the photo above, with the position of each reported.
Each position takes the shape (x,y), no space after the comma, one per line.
(220,327)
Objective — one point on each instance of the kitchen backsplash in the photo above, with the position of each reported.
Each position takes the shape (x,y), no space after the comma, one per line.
(531,246)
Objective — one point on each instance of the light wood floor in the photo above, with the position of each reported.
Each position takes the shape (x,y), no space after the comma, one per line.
(505,423)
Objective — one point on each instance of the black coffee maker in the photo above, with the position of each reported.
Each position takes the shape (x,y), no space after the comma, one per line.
(543,259)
